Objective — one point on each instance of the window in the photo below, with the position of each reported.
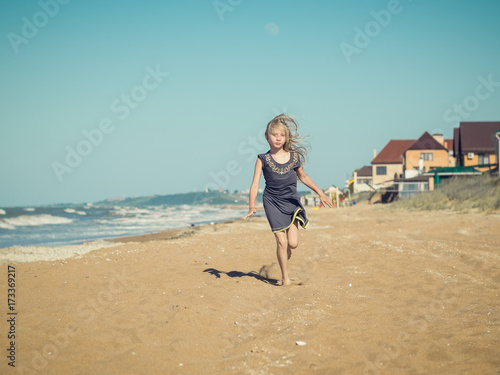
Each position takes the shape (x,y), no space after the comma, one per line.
(426,156)
(381,171)
(408,190)
(483,158)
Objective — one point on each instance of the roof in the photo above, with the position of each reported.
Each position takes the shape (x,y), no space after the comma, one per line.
(426,142)
(456,142)
(457,170)
(448,144)
(365,171)
(478,137)
(393,151)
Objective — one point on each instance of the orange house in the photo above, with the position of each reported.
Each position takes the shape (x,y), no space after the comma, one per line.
(425,154)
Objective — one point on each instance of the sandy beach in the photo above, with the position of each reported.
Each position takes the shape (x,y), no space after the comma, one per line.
(375,292)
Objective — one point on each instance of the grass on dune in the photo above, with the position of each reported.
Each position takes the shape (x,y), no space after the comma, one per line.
(478,193)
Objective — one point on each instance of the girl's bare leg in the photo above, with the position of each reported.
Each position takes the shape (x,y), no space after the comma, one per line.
(293,238)
(281,252)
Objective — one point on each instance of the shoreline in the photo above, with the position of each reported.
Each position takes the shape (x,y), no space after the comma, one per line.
(35,253)
(167,234)
(42,228)
(175,233)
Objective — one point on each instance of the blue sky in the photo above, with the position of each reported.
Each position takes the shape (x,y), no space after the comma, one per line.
(173,95)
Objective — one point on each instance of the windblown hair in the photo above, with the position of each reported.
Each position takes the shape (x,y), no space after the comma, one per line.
(294,142)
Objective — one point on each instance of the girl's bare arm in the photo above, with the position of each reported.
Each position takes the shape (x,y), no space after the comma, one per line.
(254,189)
(304,178)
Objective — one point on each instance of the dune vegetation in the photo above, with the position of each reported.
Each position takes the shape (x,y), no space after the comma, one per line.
(477,193)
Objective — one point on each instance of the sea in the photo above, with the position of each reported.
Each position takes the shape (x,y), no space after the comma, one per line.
(61,225)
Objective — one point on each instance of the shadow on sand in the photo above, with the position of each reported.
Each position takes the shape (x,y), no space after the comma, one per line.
(253,274)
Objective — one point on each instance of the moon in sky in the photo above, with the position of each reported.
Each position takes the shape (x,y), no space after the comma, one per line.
(272,29)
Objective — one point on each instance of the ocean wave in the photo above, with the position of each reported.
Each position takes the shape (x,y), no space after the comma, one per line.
(157,218)
(29,209)
(102,222)
(32,220)
(2,212)
(73,211)
(5,225)
(131,211)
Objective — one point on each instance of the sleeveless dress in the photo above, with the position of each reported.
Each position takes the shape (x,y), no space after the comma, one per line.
(281,200)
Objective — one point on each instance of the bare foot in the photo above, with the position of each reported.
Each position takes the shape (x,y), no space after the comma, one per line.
(291,282)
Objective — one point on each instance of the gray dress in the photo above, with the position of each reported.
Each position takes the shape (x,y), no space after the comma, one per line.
(281,200)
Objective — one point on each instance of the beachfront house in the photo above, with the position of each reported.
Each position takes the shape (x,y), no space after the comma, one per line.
(474,144)
(427,153)
(361,180)
(407,167)
(389,163)
(398,169)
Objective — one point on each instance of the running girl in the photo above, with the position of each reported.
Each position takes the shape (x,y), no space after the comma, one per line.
(282,165)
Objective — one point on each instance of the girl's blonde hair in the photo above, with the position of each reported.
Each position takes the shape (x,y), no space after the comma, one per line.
(294,142)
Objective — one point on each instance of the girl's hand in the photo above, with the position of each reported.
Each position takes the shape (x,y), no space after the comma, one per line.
(325,200)
(251,211)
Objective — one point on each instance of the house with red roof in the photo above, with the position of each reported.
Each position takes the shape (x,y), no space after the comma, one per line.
(408,158)
(474,144)
(389,163)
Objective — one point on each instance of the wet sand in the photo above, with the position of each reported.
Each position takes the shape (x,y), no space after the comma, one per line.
(376,292)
